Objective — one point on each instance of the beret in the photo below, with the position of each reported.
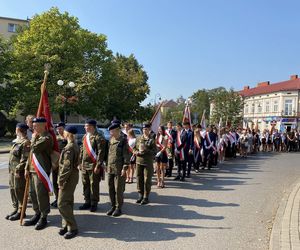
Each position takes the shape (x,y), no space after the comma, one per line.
(113,126)
(22,126)
(60,124)
(91,122)
(71,129)
(39,120)
(146,125)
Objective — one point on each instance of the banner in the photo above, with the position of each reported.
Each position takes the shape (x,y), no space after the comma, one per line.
(156,119)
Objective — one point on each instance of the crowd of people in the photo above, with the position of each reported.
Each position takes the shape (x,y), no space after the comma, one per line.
(125,156)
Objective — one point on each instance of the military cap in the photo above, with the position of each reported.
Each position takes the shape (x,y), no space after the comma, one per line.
(39,120)
(71,129)
(146,125)
(22,126)
(91,122)
(60,124)
(113,126)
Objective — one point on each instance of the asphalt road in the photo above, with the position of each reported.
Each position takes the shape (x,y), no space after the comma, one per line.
(230,207)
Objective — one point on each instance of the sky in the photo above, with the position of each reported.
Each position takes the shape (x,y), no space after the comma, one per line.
(187,45)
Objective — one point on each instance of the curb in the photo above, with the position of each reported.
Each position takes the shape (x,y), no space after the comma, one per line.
(285,231)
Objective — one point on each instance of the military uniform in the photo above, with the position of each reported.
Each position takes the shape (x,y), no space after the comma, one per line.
(90,180)
(118,160)
(62,142)
(17,162)
(67,179)
(41,146)
(145,150)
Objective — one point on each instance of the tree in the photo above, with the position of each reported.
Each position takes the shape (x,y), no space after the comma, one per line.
(200,102)
(228,106)
(106,85)
(6,89)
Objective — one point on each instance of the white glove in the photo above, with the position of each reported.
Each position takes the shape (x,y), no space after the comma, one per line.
(158,154)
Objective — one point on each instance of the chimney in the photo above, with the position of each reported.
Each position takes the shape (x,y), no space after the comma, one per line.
(246,87)
(263,84)
(294,77)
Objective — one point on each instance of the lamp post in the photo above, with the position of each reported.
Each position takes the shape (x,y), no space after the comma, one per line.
(66,86)
(157,96)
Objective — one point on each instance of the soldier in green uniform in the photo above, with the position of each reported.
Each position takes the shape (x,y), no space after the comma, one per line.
(62,142)
(17,162)
(38,168)
(92,156)
(67,180)
(117,165)
(145,150)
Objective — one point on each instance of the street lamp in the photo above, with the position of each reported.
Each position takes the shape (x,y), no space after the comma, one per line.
(159,98)
(69,85)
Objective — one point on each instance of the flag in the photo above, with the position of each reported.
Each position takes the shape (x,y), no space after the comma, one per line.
(156,119)
(203,121)
(256,126)
(220,123)
(187,115)
(44,111)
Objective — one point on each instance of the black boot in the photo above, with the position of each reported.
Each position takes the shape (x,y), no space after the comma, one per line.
(71,234)
(42,223)
(85,206)
(145,201)
(111,211)
(139,200)
(11,214)
(93,208)
(54,203)
(33,220)
(63,231)
(117,212)
(16,216)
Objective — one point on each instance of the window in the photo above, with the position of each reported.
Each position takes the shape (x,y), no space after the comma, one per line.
(246,109)
(288,107)
(275,106)
(12,27)
(267,107)
(259,108)
(252,108)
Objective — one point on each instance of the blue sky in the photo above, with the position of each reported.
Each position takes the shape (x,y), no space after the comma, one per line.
(189,45)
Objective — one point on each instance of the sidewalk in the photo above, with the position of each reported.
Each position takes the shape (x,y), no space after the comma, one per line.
(286,227)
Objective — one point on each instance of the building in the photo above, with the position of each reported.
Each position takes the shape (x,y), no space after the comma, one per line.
(276,103)
(9,26)
(166,105)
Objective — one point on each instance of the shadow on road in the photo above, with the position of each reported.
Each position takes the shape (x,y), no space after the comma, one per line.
(129,230)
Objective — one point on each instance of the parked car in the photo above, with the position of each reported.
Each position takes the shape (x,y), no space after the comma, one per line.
(137,131)
(104,132)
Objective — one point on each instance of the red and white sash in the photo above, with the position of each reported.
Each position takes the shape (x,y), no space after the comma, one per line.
(179,143)
(210,142)
(89,149)
(159,143)
(169,136)
(42,174)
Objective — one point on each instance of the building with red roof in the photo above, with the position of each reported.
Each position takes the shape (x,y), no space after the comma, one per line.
(276,103)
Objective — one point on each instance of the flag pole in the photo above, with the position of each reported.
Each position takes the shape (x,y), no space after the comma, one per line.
(157,110)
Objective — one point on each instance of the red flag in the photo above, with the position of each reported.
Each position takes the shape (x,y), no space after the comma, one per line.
(187,115)
(44,111)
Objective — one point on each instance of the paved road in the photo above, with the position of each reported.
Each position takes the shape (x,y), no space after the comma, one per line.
(231,207)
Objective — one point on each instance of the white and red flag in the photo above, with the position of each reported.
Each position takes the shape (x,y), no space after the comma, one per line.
(156,119)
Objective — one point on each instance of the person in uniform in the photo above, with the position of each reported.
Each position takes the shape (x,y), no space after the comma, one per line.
(209,146)
(17,161)
(67,180)
(171,133)
(62,142)
(189,147)
(38,168)
(145,150)
(92,156)
(117,165)
(181,152)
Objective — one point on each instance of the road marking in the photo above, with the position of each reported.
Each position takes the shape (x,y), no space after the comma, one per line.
(3,165)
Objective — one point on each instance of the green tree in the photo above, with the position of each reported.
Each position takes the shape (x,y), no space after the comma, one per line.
(200,102)
(106,85)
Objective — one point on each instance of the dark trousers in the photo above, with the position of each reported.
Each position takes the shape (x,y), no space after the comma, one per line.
(208,158)
(54,181)
(170,168)
(190,162)
(181,169)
